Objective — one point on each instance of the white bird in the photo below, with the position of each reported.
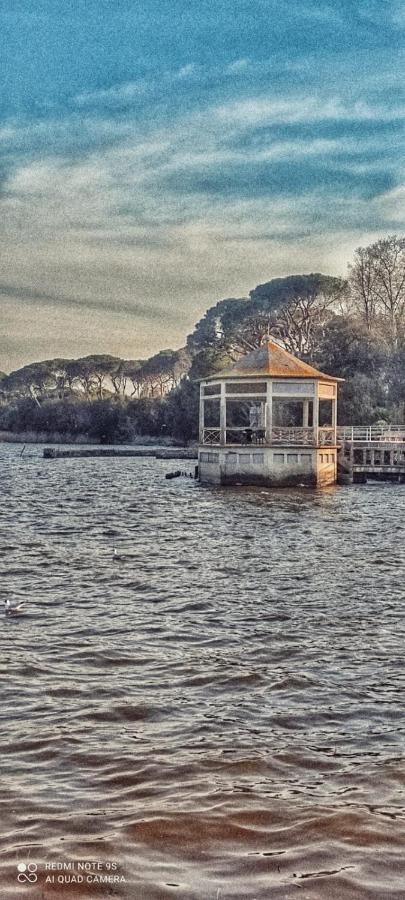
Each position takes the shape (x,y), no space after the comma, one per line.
(117,557)
(13,610)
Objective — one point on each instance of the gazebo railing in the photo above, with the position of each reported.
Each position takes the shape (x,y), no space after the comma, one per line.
(293,436)
(245,435)
(326,436)
(280,436)
(211,436)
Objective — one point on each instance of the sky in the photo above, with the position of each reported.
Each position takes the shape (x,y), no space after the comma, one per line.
(160,155)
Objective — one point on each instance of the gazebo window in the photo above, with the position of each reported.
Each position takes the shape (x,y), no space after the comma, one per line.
(211,390)
(245,414)
(246,387)
(211,413)
(289,413)
(325,412)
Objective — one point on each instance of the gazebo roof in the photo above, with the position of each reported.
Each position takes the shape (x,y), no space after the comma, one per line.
(272,361)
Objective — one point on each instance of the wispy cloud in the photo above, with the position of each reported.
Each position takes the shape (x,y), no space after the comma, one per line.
(113,96)
(121,95)
(147,198)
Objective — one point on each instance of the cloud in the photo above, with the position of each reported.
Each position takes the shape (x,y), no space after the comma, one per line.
(186,71)
(117,95)
(121,95)
(392,206)
(121,227)
(238,66)
(260,111)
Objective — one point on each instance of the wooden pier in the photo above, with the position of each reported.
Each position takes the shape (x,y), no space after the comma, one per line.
(373,451)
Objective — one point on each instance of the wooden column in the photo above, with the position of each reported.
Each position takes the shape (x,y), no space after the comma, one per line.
(269,411)
(222,414)
(334,413)
(316,412)
(305,413)
(201,429)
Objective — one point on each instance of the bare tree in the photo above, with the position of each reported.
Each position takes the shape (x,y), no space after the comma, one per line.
(119,377)
(389,265)
(377,284)
(362,277)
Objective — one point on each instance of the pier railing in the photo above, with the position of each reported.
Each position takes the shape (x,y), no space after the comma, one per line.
(363,433)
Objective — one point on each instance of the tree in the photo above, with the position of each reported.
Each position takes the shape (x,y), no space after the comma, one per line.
(119,377)
(163,371)
(347,348)
(377,285)
(133,372)
(298,308)
(361,283)
(38,380)
(181,411)
(293,309)
(81,372)
(396,384)
(362,400)
(108,423)
(93,371)
(212,330)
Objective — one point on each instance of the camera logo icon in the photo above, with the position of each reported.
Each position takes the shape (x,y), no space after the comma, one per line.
(27,872)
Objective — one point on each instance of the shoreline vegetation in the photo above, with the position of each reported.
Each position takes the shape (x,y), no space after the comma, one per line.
(353,328)
(83,440)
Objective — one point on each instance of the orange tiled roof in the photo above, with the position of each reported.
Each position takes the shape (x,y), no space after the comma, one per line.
(273,361)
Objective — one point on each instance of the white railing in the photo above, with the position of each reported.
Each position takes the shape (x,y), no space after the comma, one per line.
(290,436)
(212,436)
(326,436)
(389,433)
(293,436)
(245,435)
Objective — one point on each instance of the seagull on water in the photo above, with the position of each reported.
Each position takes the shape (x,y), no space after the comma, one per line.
(117,556)
(13,610)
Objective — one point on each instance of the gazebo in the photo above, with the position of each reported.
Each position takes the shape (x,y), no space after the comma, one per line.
(269,419)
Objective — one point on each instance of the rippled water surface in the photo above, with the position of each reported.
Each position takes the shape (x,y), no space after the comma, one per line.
(217,710)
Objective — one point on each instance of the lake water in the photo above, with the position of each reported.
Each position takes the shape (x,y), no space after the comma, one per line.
(216,714)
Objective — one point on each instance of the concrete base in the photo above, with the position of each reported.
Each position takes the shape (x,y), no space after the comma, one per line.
(345,478)
(268,466)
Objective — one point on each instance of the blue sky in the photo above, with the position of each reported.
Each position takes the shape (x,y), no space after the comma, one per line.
(157,156)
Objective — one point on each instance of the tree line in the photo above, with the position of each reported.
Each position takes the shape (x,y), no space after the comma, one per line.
(97,377)
(353,328)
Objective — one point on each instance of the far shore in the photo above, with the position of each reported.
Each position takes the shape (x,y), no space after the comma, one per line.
(32,437)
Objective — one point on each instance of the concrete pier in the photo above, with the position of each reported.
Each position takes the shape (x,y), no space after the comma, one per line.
(154,453)
(371,452)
